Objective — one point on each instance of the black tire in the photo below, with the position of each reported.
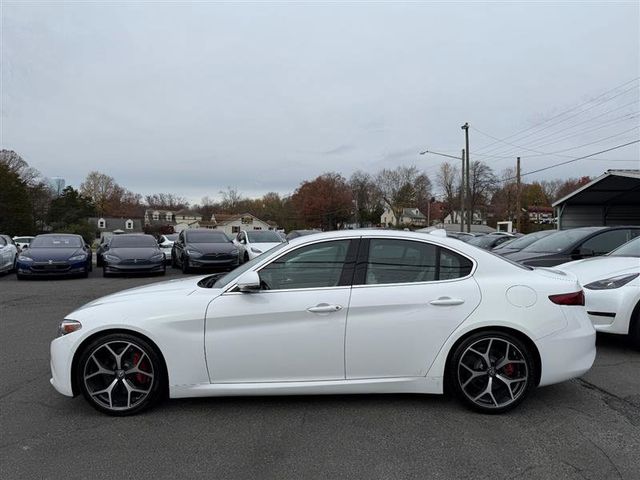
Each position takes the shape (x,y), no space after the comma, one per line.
(173,262)
(634,328)
(135,354)
(19,276)
(185,265)
(246,257)
(104,273)
(505,381)
(98,260)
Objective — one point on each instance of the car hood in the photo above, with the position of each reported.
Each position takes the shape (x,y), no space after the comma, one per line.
(599,268)
(54,254)
(212,247)
(125,253)
(157,292)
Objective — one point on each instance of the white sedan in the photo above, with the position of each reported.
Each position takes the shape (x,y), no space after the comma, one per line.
(612,289)
(337,312)
(165,242)
(251,243)
(8,254)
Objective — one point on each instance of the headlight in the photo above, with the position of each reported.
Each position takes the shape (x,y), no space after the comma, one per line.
(111,258)
(255,250)
(194,253)
(22,258)
(158,256)
(68,326)
(613,282)
(78,258)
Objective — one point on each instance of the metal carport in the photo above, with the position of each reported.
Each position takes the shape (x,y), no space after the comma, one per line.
(611,199)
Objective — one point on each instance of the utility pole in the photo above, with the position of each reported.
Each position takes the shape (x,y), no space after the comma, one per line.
(465,127)
(462,196)
(518,197)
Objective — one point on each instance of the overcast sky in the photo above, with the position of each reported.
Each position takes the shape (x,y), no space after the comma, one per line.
(192,97)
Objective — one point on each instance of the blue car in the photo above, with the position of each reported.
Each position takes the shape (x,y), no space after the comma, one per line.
(55,254)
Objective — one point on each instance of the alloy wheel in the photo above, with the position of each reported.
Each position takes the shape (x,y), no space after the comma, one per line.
(119,375)
(493,373)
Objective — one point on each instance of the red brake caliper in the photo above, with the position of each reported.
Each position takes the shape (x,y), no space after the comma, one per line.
(139,377)
(509,369)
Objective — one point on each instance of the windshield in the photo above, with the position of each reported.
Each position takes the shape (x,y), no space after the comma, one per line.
(207,237)
(263,236)
(56,241)
(23,239)
(527,240)
(222,282)
(558,241)
(629,249)
(484,241)
(141,241)
(172,237)
(3,242)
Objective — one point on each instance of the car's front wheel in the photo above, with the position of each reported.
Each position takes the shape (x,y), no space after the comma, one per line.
(492,372)
(185,265)
(120,374)
(634,329)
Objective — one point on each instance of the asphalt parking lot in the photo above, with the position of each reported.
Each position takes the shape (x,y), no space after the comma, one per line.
(586,428)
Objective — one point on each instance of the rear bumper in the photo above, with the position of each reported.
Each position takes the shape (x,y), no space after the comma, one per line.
(570,352)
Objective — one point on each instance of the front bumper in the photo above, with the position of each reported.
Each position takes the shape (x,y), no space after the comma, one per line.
(610,310)
(51,269)
(61,356)
(570,352)
(135,268)
(225,264)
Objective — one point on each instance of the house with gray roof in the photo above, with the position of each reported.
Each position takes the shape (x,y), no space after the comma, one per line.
(107,226)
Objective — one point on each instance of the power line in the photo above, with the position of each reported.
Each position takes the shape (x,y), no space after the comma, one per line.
(572,160)
(497,140)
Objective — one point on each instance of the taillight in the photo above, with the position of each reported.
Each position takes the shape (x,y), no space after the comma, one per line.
(575,298)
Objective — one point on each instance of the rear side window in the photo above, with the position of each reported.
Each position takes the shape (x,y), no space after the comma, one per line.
(406,261)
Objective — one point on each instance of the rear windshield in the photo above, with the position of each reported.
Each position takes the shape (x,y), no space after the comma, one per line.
(171,237)
(142,241)
(264,236)
(22,239)
(629,249)
(207,237)
(484,241)
(55,241)
(558,242)
(3,242)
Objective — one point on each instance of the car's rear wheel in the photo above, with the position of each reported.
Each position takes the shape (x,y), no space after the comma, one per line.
(173,262)
(246,257)
(120,374)
(492,372)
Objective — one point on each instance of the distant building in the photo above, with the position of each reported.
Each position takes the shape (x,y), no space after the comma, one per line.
(540,215)
(233,223)
(186,219)
(154,216)
(107,226)
(411,217)
(455,216)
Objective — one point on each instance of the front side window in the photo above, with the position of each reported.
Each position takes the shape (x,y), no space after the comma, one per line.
(405,261)
(607,241)
(312,266)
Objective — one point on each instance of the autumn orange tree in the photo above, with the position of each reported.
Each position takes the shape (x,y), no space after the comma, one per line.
(325,202)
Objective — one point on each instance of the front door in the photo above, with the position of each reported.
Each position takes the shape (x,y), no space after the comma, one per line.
(293,328)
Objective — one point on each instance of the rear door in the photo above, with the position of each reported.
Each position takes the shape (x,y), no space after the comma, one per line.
(407,299)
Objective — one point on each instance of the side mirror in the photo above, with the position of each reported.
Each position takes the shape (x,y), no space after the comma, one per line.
(24,247)
(249,282)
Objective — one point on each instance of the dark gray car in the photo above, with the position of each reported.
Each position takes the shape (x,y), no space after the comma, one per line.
(575,244)
(132,253)
(204,248)
(518,244)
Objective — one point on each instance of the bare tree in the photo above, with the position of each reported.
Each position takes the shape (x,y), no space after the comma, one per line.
(403,187)
(367,197)
(167,201)
(231,199)
(100,188)
(482,183)
(448,179)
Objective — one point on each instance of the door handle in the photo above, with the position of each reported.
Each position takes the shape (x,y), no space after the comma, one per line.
(446,302)
(324,308)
